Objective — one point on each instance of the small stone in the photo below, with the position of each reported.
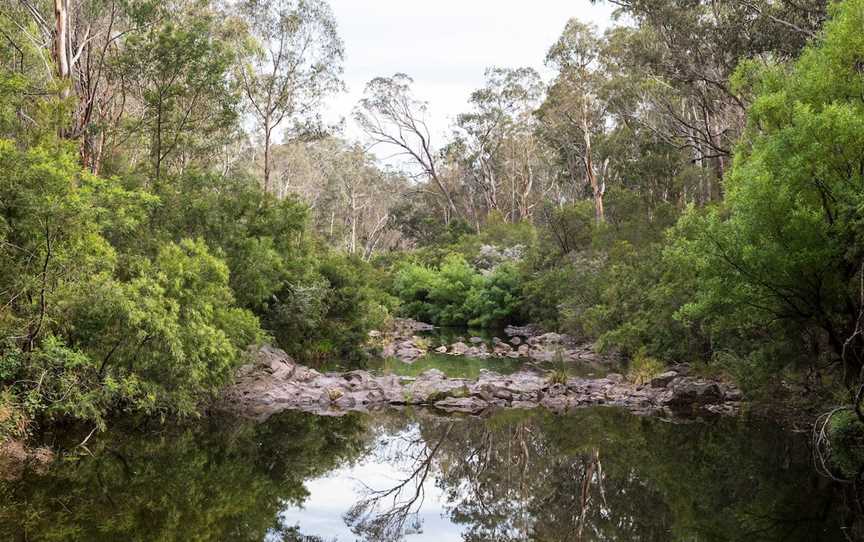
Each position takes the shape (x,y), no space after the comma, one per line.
(458,349)
(441,349)
(475,340)
(515,341)
(615,378)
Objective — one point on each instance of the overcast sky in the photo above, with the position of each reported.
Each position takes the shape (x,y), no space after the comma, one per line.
(445,45)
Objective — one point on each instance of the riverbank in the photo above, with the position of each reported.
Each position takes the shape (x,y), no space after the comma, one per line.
(273,382)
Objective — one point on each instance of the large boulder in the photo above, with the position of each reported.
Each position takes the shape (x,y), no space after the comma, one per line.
(663,379)
(688,394)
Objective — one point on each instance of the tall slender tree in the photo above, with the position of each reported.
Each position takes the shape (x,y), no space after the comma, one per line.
(295,64)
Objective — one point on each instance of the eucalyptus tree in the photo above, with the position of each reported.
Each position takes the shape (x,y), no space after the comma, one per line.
(181,99)
(679,57)
(391,115)
(574,112)
(351,199)
(67,50)
(500,153)
(296,62)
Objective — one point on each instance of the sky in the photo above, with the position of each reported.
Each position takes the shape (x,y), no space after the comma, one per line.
(332,495)
(445,46)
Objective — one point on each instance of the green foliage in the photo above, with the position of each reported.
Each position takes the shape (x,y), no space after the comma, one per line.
(494,298)
(643,368)
(458,294)
(846,440)
(782,253)
(350,304)
(557,376)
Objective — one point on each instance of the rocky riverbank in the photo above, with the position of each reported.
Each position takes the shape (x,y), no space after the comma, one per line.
(274,382)
(526,342)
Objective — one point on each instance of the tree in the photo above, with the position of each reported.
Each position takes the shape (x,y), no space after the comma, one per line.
(179,66)
(500,153)
(786,249)
(390,115)
(296,63)
(574,112)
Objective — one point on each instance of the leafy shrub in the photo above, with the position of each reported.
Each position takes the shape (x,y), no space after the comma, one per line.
(458,294)
(846,438)
(643,368)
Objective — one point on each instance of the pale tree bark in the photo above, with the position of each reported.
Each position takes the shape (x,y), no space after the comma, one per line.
(597,186)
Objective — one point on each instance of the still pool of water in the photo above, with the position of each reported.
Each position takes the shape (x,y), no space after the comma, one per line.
(597,474)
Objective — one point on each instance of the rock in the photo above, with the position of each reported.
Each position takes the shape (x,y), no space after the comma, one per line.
(515,341)
(541,355)
(245,370)
(682,369)
(663,379)
(468,405)
(733,394)
(374,334)
(523,331)
(409,354)
(458,349)
(615,378)
(685,393)
(551,338)
(408,325)
(16,457)
(267,390)
(475,340)
(441,349)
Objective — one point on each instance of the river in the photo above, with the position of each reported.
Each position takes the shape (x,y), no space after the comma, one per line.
(595,474)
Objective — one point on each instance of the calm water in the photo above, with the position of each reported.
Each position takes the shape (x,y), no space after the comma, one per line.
(599,474)
(468,367)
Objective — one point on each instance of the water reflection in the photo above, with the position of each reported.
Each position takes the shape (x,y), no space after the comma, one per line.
(599,474)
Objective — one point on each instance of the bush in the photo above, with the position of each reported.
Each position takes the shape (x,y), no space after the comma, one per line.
(643,368)
(457,294)
(846,439)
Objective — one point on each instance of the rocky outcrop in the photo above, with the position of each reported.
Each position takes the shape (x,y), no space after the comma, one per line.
(274,383)
(400,341)
(528,343)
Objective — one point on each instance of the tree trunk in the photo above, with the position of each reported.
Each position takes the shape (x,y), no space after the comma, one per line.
(268,132)
(61,41)
(596,187)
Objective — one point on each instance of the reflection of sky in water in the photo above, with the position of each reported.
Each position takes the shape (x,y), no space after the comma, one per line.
(332,495)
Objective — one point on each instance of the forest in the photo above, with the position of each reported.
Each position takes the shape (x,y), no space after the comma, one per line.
(687,187)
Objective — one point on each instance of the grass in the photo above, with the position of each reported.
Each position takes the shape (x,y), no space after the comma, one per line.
(557,376)
(644,368)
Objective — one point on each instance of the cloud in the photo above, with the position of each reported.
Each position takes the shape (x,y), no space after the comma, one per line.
(446,45)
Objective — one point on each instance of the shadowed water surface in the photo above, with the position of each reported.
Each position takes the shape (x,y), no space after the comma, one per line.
(598,474)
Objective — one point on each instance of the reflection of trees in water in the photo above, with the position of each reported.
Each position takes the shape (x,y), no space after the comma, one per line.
(217,484)
(516,484)
(599,474)
(391,513)
(607,475)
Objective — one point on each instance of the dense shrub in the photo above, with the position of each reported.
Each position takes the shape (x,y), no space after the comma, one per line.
(457,294)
